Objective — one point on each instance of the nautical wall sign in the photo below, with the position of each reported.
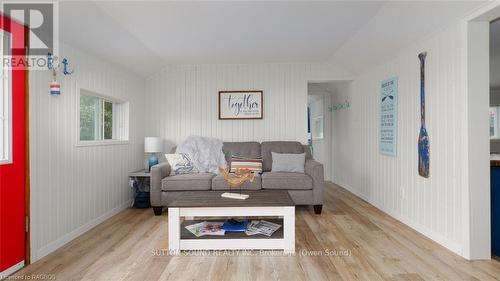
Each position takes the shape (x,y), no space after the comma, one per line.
(389,116)
(240,105)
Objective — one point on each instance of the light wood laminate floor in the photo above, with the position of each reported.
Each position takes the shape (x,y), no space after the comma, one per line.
(129,246)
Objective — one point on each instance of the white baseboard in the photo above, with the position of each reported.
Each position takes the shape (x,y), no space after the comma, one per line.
(54,245)
(436,237)
(4,274)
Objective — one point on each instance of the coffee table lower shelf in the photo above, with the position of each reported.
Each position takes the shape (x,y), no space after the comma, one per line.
(181,239)
(187,235)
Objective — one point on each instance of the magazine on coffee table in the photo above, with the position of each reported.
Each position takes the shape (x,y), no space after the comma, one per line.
(262,227)
(206,228)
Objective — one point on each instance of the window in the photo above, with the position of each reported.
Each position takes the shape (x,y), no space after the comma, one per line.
(494,122)
(317,129)
(5,106)
(102,120)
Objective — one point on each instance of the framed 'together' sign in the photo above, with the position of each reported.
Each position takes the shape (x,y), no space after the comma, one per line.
(240,105)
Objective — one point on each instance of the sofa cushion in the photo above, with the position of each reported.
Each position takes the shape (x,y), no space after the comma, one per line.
(288,162)
(199,181)
(241,149)
(279,147)
(218,183)
(286,180)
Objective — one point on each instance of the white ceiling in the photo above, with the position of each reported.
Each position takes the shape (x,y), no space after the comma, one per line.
(84,26)
(398,24)
(143,36)
(495,55)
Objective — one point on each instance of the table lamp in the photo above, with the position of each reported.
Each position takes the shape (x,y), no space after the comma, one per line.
(153,145)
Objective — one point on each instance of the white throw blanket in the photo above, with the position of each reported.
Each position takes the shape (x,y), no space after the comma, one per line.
(206,153)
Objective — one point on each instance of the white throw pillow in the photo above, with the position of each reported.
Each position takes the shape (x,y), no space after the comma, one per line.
(288,162)
(180,164)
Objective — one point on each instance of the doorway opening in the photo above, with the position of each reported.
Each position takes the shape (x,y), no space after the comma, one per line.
(323,99)
(481,76)
(494,123)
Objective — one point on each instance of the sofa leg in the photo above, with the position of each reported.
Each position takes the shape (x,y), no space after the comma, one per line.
(157,210)
(317,209)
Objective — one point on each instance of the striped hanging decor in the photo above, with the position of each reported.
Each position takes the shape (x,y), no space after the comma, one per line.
(55,88)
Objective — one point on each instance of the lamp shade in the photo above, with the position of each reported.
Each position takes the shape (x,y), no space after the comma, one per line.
(153,144)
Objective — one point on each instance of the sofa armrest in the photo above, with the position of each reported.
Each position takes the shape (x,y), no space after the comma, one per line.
(158,172)
(315,170)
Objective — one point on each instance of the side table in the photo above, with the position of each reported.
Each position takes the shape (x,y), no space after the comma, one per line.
(140,182)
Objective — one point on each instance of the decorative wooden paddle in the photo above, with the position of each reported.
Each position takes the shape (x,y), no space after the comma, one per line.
(423,138)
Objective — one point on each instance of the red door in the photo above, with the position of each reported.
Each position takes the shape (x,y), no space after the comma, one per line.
(13,150)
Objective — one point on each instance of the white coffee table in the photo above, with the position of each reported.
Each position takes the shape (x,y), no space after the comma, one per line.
(207,204)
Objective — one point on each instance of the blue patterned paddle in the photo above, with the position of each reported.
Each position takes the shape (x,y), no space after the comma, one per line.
(423,138)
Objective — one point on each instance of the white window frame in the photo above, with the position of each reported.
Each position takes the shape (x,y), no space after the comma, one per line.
(7,105)
(120,120)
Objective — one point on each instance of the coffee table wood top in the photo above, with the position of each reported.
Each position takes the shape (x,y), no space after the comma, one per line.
(261,198)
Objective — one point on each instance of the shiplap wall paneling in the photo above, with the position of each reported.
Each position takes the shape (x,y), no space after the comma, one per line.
(73,188)
(182,100)
(432,206)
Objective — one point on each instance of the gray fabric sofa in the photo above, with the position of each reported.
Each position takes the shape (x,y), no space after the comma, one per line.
(304,188)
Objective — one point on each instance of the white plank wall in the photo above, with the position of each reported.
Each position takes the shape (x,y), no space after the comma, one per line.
(182,100)
(74,188)
(432,206)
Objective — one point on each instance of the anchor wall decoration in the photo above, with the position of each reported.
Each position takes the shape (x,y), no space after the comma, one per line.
(53,65)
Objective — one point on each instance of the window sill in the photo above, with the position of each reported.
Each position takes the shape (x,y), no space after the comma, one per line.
(101,143)
(5,161)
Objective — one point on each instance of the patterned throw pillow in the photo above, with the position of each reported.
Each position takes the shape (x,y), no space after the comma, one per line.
(180,164)
(252,164)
